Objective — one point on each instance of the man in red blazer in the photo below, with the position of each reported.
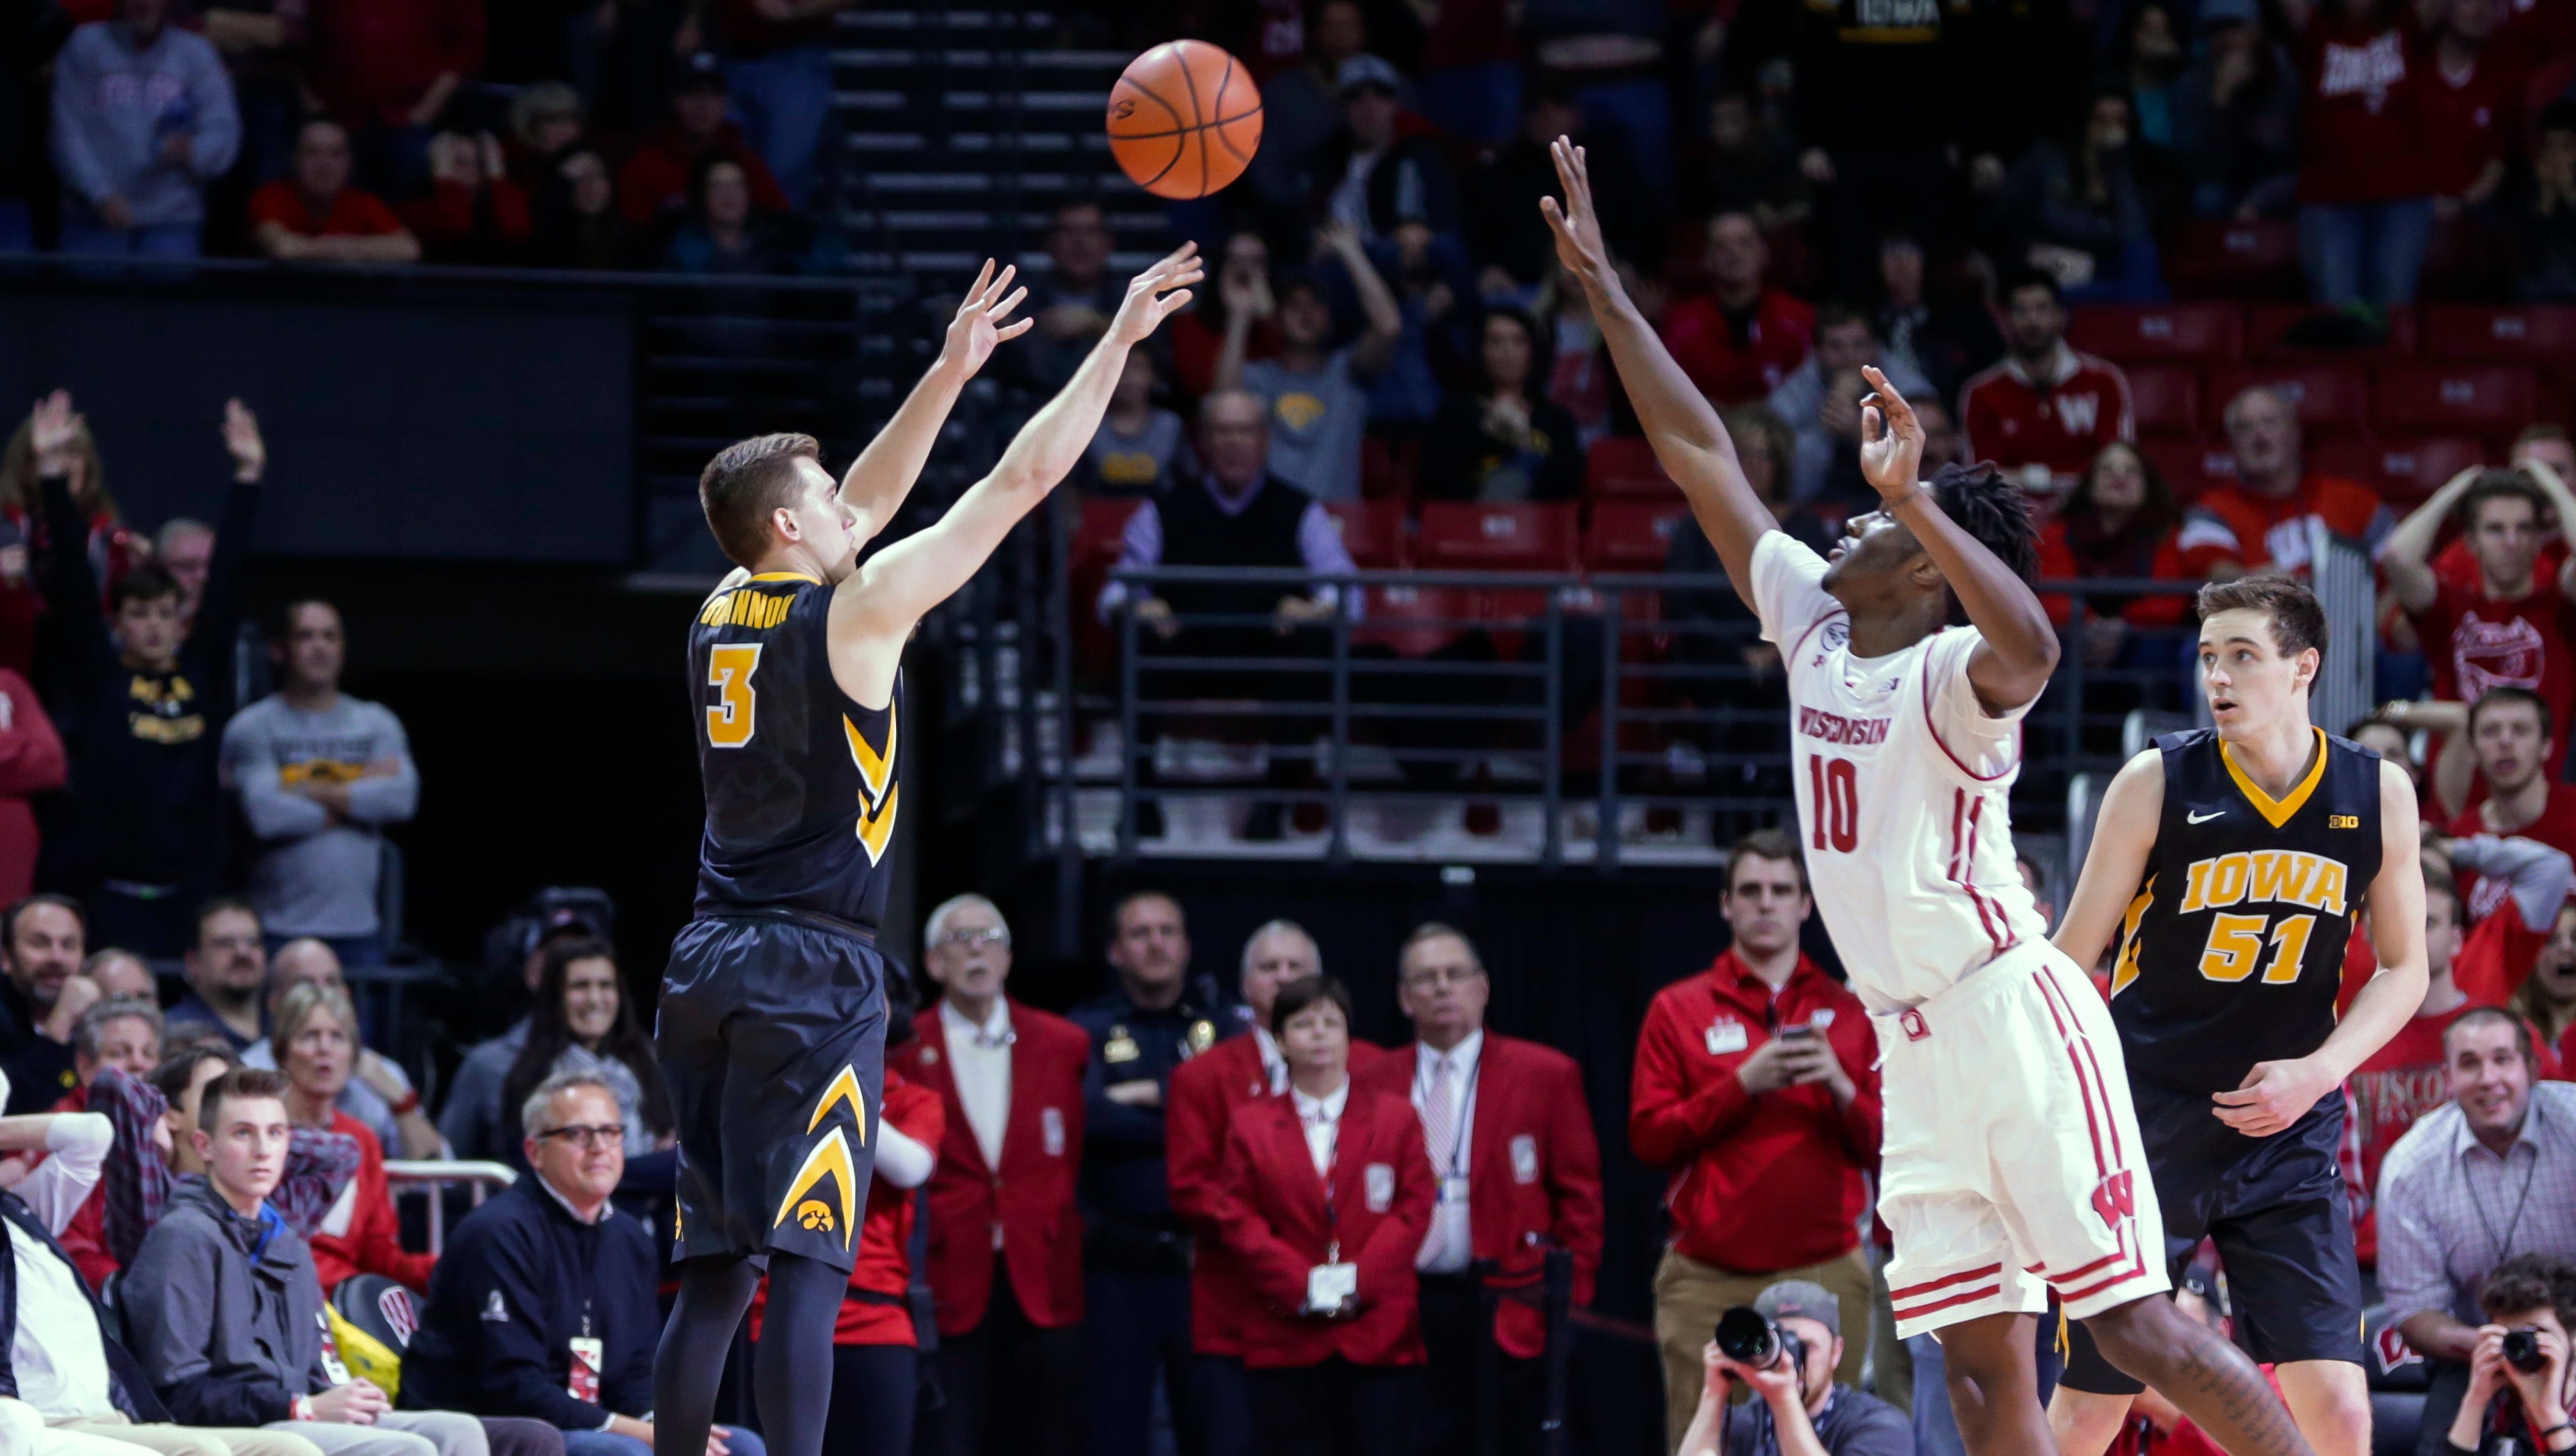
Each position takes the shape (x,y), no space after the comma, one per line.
(1755,1087)
(1208,1091)
(1005,1236)
(1509,1135)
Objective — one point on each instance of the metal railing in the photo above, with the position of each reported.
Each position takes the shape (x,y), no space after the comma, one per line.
(435,1177)
(1596,697)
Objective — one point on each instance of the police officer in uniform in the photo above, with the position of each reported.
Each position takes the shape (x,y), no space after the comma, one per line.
(1136,1253)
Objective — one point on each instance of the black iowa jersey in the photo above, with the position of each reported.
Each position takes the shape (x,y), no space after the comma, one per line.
(800,779)
(2233,949)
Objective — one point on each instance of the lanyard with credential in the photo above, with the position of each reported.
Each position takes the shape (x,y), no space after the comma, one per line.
(1332,1177)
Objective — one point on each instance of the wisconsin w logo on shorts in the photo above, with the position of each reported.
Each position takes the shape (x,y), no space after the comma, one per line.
(830,1156)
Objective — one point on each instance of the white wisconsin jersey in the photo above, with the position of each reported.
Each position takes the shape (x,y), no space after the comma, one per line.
(1902,785)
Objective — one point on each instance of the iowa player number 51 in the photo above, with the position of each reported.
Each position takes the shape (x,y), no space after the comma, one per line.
(729,673)
(2236,943)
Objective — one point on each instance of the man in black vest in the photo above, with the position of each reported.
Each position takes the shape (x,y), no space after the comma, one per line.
(1235,515)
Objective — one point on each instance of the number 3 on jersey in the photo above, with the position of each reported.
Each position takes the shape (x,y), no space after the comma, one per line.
(729,673)
(1833,796)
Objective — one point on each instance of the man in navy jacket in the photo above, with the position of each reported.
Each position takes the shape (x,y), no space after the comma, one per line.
(543,1304)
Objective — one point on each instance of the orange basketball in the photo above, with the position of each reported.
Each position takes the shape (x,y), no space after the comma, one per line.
(1184,119)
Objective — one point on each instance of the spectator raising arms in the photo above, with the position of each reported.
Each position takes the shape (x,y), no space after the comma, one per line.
(320,775)
(2119,521)
(317,1039)
(473,211)
(316,216)
(146,700)
(581,1023)
(1505,443)
(1317,406)
(1741,338)
(143,120)
(2046,410)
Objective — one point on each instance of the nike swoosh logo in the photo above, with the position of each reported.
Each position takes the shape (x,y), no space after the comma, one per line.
(2202,818)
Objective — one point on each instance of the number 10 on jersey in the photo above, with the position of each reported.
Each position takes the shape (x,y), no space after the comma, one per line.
(1833,798)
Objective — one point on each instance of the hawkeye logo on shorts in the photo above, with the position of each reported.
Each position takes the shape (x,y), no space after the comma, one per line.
(829,1156)
(876,787)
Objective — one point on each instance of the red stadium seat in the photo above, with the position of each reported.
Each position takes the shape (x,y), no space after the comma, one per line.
(1622,465)
(2532,334)
(2266,323)
(1457,536)
(2461,399)
(2165,399)
(2404,470)
(1632,535)
(2235,260)
(1413,621)
(1372,531)
(2328,398)
(2159,333)
(2189,466)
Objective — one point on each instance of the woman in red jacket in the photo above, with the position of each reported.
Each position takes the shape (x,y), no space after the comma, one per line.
(316,1037)
(876,1351)
(2120,520)
(1327,1198)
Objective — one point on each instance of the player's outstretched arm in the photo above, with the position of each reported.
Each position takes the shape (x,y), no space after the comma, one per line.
(2124,834)
(879,603)
(884,473)
(1679,423)
(2019,650)
(2277,1094)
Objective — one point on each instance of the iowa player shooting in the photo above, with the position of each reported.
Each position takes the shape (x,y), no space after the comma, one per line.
(2233,863)
(771,1033)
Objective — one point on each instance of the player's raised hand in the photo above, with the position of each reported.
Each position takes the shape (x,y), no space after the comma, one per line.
(2274,1095)
(1156,294)
(1576,225)
(53,430)
(243,442)
(1891,438)
(978,327)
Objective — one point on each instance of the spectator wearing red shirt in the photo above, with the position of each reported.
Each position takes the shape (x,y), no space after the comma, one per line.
(316,1036)
(1740,339)
(2365,204)
(2121,520)
(2044,410)
(2548,996)
(2514,629)
(1510,1140)
(387,69)
(781,70)
(473,211)
(1005,1236)
(655,181)
(317,216)
(2472,103)
(876,1352)
(2260,520)
(1768,1130)
(2549,447)
(2509,733)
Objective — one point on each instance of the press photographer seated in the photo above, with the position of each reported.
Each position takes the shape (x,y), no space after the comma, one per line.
(1783,1348)
(2518,1381)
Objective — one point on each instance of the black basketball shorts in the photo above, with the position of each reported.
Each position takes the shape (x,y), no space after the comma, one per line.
(771,1037)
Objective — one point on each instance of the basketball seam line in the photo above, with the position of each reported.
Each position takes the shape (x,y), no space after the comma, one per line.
(1192,83)
(1220,122)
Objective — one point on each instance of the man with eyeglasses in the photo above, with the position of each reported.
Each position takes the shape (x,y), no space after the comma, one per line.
(1005,1261)
(544,1305)
(1510,1138)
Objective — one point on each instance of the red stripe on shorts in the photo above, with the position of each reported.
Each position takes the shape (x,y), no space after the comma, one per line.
(1971,1297)
(1911,1290)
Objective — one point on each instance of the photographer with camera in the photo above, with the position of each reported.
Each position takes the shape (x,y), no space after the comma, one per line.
(2518,1380)
(1783,1348)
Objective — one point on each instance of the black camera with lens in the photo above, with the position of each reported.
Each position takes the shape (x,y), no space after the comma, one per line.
(1752,1339)
(2522,1351)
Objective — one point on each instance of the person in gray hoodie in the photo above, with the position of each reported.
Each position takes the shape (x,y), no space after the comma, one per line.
(143,120)
(227,1311)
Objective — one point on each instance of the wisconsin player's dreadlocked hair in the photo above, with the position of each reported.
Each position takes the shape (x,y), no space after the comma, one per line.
(1991,507)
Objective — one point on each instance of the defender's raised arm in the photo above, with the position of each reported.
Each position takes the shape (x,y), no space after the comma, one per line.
(1684,430)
